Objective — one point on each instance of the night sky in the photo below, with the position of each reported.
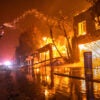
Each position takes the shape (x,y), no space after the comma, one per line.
(11,9)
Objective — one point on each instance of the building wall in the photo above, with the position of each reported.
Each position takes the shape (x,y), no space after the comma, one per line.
(91,33)
(90,23)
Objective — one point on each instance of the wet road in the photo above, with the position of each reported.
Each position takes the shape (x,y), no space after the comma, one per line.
(41,84)
(15,86)
(65,83)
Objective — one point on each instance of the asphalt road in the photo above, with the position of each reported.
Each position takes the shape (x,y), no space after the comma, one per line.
(15,86)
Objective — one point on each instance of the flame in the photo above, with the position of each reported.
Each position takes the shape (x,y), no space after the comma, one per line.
(44,38)
(61,46)
(37,70)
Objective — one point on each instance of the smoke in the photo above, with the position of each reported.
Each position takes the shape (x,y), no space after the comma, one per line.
(34,12)
(40,16)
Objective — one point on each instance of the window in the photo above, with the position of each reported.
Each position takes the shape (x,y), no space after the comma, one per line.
(82,28)
(97,23)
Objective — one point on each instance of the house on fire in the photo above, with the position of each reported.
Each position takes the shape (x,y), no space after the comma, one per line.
(87,32)
(86,27)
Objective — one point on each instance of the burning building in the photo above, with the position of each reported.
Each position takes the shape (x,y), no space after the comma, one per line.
(86,27)
(87,33)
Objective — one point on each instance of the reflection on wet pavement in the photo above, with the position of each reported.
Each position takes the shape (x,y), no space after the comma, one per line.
(59,87)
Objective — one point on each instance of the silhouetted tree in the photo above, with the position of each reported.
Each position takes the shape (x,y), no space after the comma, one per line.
(28,42)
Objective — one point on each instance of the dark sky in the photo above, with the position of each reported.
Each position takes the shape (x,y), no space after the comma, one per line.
(11,9)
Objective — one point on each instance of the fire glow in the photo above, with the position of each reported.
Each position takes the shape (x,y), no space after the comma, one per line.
(94,48)
(61,48)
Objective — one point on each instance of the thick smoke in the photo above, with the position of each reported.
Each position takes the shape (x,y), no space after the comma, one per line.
(37,14)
